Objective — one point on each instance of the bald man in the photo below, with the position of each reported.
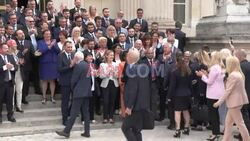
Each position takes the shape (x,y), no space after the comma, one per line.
(136,97)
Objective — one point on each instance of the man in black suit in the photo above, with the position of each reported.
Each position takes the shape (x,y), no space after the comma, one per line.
(33,5)
(106,20)
(81,86)
(62,26)
(13,21)
(77,8)
(6,13)
(50,10)
(131,37)
(8,69)
(98,23)
(181,36)
(143,22)
(9,32)
(155,29)
(152,65)
(90,35)
(26,50)
(245,67)
(136,97)
(65,69)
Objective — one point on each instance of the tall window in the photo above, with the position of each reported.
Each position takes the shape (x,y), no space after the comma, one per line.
(181,11)
(2,5)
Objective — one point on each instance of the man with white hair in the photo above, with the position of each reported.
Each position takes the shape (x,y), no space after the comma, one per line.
(139,47)
(137,97)
(81,86)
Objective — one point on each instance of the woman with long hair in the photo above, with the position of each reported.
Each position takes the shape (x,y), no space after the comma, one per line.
(108,72)
(92,13)
(76,38)
(180,92)
(111,36)
(215,90)
(235,97)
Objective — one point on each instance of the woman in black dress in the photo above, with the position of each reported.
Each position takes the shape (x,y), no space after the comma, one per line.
(180,92)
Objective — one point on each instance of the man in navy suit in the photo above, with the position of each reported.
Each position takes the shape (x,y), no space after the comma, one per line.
(143,22)
(91,32)
(65,69)
(77,8)
(122,41)
(181,36)
(62,26)
(81,86)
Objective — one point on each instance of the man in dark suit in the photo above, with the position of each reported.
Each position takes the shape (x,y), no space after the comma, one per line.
(81,86)
(137,97)
(8,68)
(90,35)
(62,26)
(33,5)
(13,21)
(106,20)
(131,37)
(65,69)
(98,23)
(155,28)
(245,67)
(50,10)
(9,32)
(181,36)
(77,8)
(143,22)
(6,13)
(165,60)
(122,41)
(26,50)
(152,65)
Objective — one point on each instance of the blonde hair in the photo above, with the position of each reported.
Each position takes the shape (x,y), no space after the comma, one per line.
(203,57)
(233,65)
(216,59)
(109,28)
(225,53)
(74,30)
(106,54)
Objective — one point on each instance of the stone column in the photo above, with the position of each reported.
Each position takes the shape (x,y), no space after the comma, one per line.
(129,8)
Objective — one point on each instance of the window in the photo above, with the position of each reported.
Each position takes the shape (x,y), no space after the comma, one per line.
(2,5)
(181,11)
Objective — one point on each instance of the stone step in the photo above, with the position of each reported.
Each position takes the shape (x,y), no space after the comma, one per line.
(38,97)
(43,112)
(4,132)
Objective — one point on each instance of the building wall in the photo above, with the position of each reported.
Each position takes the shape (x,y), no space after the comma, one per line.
(154,10)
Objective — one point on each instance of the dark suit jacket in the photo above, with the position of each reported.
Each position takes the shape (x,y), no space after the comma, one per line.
(245,66)
(180,85)
(72,12)
(56,31)
(110,43)
(111,21)
(27,66)
(65,72)
(3,73)
(81,81)
(88,36)
(137,89)
(144,25)
(181,36)
(124,23)
(127,46)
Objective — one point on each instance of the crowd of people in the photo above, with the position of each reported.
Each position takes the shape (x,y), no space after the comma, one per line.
(114,66)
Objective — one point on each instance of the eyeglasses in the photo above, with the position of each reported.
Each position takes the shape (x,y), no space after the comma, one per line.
(32,21)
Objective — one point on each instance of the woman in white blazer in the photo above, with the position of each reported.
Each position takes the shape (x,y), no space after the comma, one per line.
(109,74)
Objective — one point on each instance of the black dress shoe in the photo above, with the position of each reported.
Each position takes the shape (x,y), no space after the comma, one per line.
(238,137)
(159,119)
(25,102)
(62,133)
(85,135)
(171,127)
(11,119)
(19,110)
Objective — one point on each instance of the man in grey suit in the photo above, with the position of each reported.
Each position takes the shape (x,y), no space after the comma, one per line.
(137,97)
(81,86)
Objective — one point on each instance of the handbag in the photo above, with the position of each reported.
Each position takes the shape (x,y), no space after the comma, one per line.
(148,120)
(199,112)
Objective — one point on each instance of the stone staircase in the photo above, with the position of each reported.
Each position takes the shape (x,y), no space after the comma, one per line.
(40,118)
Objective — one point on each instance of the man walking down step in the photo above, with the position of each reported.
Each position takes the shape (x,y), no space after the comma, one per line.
(81,86)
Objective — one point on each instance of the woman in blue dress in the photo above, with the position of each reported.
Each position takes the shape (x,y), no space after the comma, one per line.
(48,52)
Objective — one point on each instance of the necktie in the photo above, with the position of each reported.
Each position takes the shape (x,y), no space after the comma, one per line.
(93,54)
(123,46)
(69,56)
(7,74)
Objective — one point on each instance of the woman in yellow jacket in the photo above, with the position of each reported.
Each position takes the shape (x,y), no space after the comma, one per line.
(235,98)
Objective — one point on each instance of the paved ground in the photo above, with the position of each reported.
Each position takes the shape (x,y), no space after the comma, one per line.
(158,134)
